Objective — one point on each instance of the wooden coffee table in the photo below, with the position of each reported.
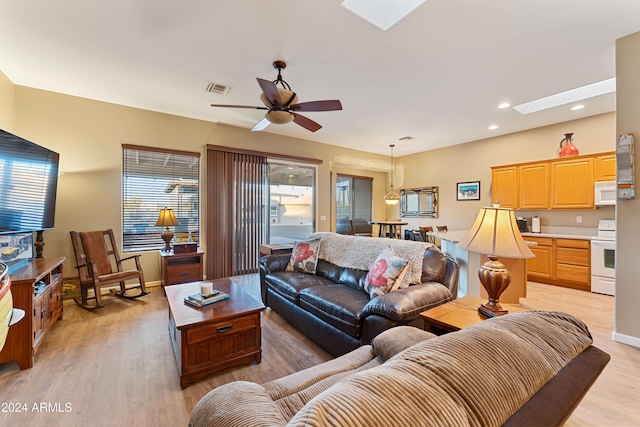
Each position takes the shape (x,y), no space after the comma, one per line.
(214,337)
(458,314)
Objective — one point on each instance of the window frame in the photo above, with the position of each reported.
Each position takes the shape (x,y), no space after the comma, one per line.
(172,180)
(354,211)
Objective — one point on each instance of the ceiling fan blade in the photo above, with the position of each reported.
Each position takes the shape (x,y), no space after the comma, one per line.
(329,105)
(239,106)
(306,122)
(260,125)
(270,91)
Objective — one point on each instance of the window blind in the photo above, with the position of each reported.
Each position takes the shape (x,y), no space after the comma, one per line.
(353,197)
(153,179)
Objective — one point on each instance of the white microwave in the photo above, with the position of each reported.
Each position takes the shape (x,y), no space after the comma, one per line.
(605,193)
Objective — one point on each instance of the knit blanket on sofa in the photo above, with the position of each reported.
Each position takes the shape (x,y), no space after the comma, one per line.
(361,252)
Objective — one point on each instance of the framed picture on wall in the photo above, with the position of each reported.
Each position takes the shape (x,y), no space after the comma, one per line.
(468,190)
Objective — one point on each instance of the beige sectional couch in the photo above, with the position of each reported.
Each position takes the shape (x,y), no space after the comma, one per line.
(530,368)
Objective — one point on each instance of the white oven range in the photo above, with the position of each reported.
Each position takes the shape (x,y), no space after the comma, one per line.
(603,258)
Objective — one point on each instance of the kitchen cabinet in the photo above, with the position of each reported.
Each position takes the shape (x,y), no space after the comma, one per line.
(504,186)
(540,268)
(534,186)
(604,168)
(572,184)
(563,183)
(573,262)
(561,262)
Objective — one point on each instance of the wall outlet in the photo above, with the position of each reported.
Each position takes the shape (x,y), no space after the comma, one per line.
(323,217)
(579,219)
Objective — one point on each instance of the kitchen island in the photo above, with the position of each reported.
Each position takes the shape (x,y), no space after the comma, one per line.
(469,282)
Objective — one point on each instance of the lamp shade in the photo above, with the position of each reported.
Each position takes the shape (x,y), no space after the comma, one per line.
(495,233)
(166,218)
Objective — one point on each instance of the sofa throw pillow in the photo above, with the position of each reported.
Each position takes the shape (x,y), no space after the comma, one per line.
(304,257)
(384,273)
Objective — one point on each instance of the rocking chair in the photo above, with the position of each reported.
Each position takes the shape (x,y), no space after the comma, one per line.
(99,264)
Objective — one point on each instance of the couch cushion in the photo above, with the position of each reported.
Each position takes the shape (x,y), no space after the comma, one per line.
(292,392)
(524,350)
(353,278)
(340,306)
(384,272)
(290,283)
(304,257)
(328,271)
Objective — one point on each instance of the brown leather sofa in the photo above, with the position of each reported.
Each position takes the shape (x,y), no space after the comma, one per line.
(331,308)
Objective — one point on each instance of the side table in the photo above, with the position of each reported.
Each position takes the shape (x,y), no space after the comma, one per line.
(181,268)
(458,314)
(275,248)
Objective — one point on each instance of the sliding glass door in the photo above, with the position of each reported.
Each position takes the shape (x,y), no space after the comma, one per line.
(291,201)
(353,204)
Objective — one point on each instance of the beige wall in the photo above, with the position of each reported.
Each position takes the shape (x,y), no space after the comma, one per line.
(627,324)
(88,135)
(7,103)
(472,162)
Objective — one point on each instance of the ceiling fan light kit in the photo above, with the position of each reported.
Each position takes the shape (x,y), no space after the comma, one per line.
(281,104)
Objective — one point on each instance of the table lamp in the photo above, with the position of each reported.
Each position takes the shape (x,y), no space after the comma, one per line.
(165,219)
(495,233)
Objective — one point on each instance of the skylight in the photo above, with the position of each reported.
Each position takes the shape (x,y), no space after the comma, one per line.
(573,95)
(384,14)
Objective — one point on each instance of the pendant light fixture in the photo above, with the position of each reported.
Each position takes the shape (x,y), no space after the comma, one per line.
(391,198)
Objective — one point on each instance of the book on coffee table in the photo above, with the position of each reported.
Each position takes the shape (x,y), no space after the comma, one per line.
(199,300)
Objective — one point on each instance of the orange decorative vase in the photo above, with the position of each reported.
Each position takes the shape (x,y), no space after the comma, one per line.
(567,149)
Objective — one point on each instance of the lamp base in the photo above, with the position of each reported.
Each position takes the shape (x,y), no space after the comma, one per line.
(167,235)
(495,278)
(492,310)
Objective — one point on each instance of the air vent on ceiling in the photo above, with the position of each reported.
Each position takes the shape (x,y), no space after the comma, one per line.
(218,88)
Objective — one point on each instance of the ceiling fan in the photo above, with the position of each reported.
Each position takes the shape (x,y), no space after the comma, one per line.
(282,104)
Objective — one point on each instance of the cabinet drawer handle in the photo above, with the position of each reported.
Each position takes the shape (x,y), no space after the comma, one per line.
(224,328)
(184,274)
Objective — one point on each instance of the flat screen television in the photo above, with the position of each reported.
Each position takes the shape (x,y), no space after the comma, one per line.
(28,185)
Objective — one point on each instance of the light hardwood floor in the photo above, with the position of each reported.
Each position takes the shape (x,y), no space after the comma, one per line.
(116,367)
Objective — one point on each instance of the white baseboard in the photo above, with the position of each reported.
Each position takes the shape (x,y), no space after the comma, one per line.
(625,339)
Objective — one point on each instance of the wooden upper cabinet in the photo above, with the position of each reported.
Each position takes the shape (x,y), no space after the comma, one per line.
(534,186)
(504,186)
(563,183)
(572,183)
(604,168)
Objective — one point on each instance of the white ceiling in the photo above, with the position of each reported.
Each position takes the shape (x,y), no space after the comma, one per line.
(438,75)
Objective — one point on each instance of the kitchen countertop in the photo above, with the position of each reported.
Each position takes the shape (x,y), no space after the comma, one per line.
(558,236)
(455,236)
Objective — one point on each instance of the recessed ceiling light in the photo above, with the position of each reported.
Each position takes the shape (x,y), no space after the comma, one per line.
(384,14)
(573,95)
(577,107)
(492,127)
(504,105)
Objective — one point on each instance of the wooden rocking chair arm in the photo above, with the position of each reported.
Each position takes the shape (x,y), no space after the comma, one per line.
(130,257)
